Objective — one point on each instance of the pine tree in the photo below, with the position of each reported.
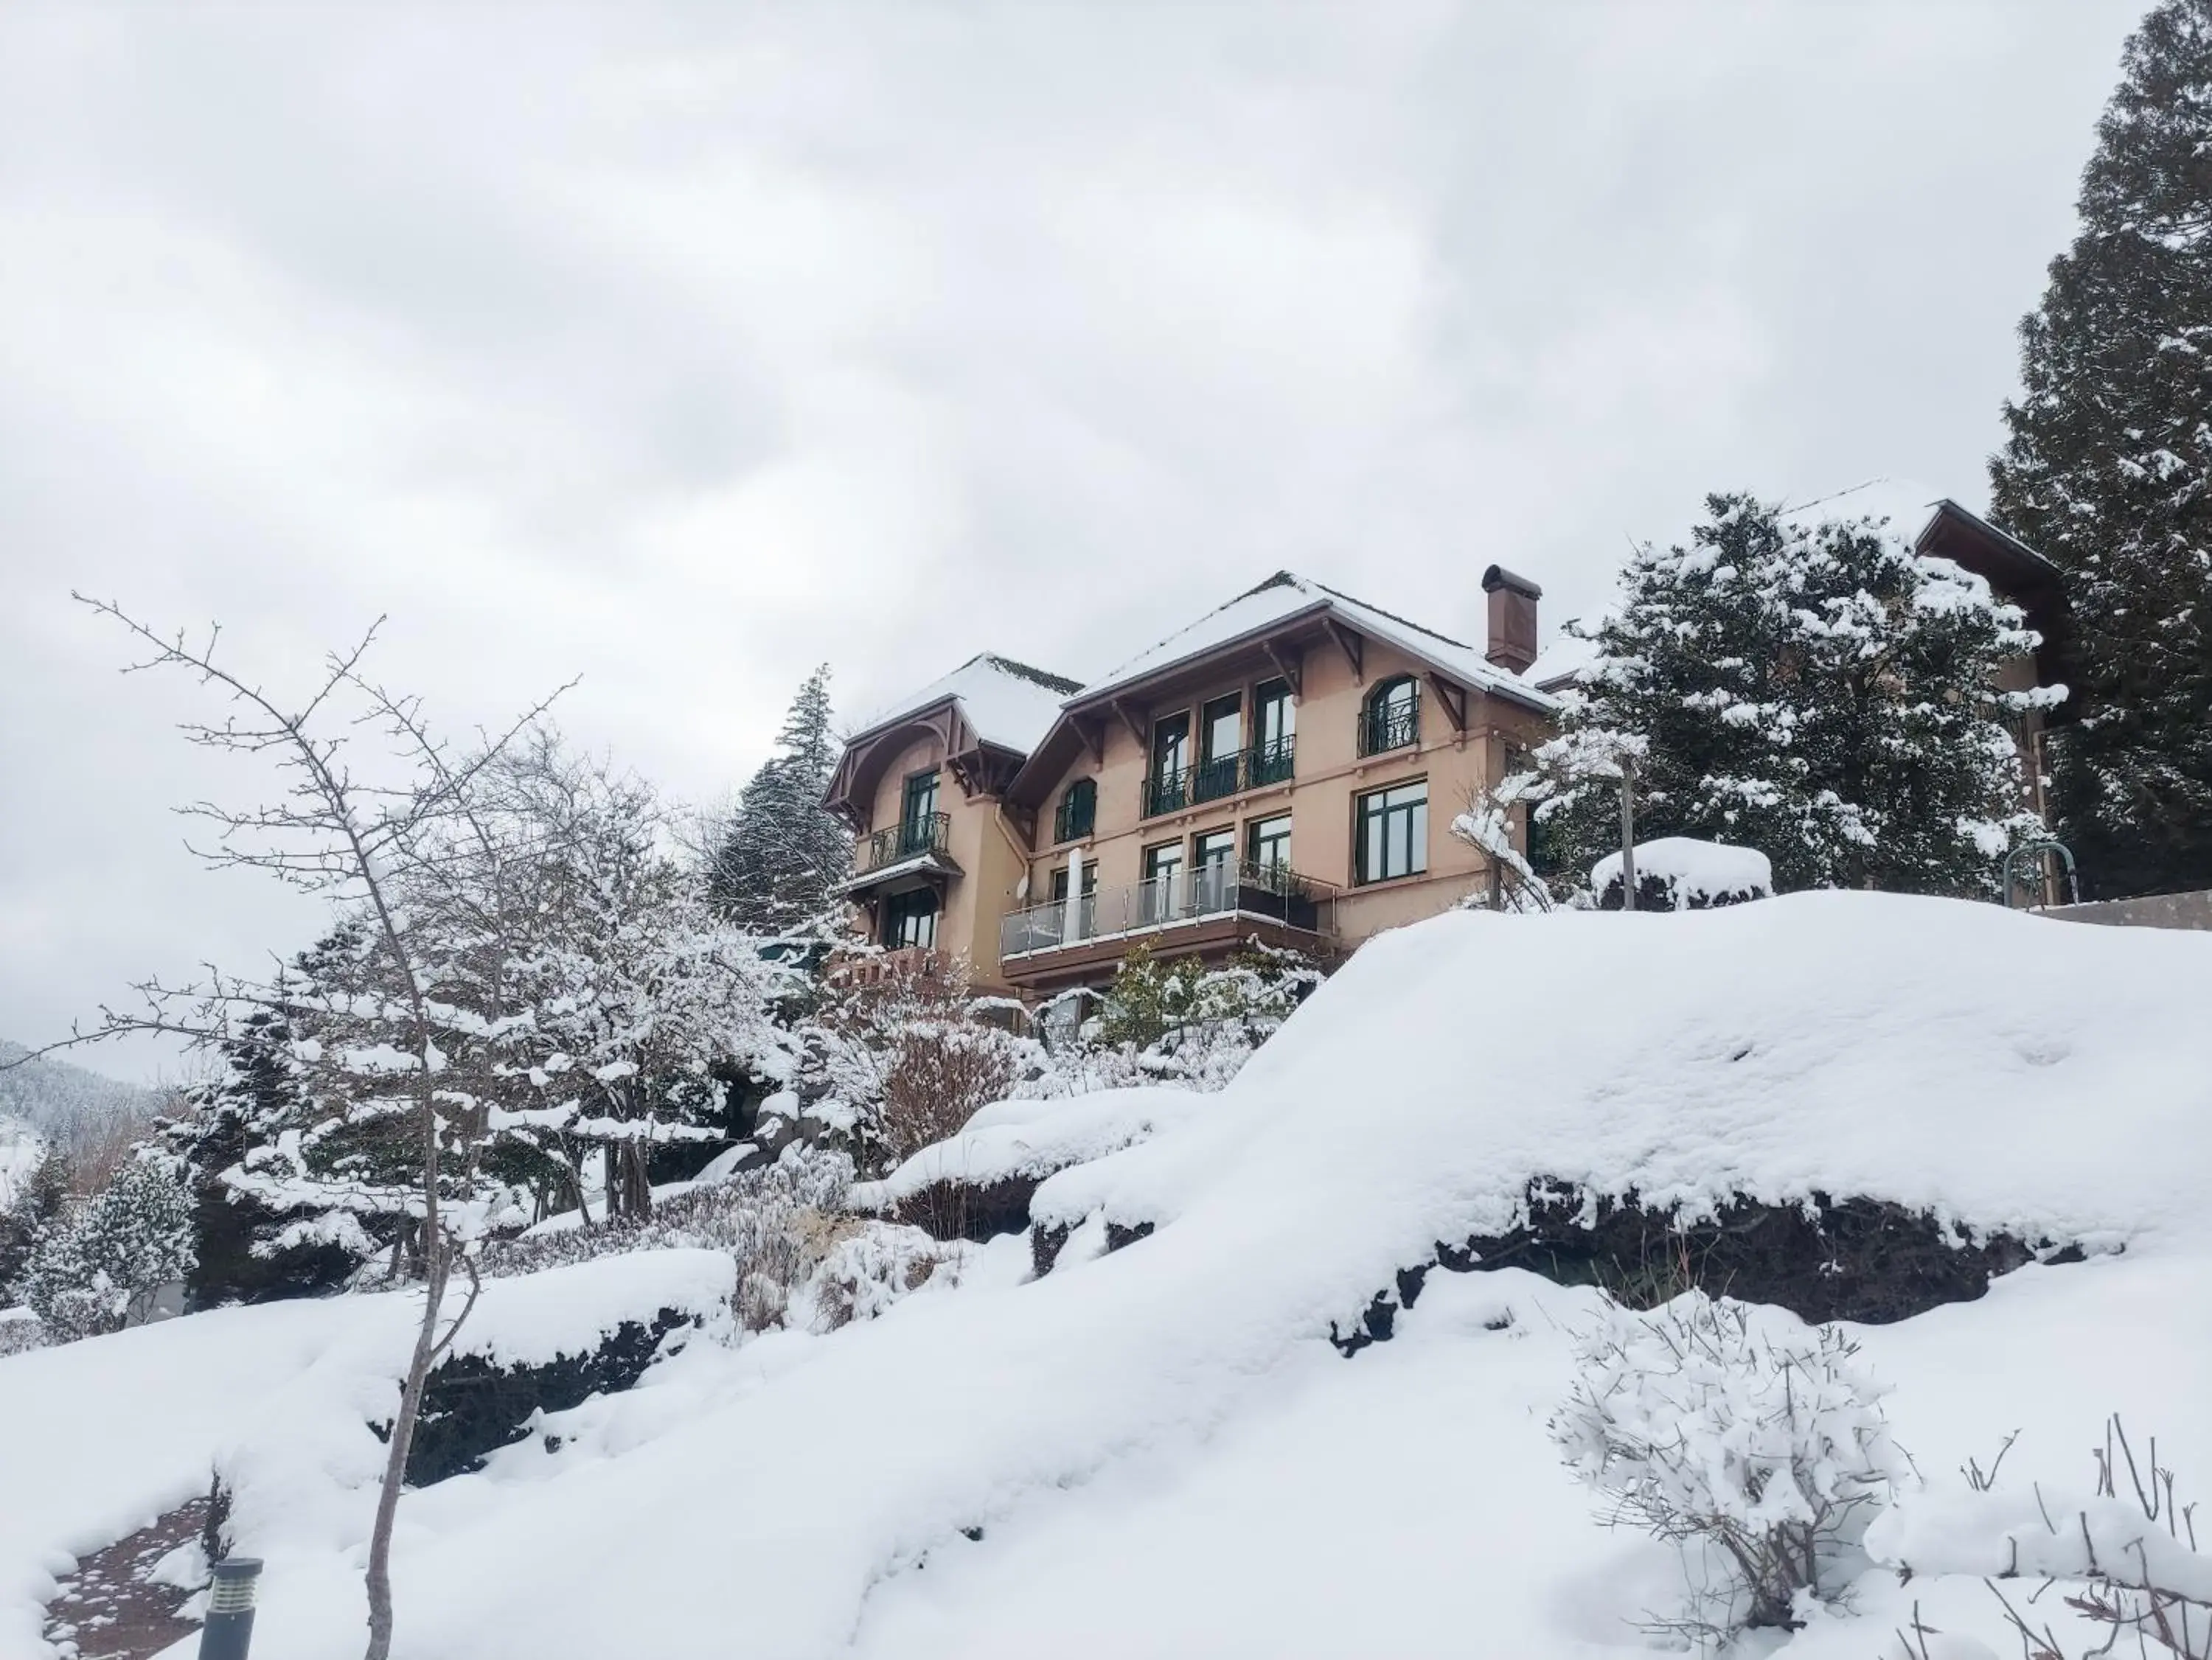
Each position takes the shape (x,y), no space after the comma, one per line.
(2104,470)
(784,851)
(1814,691)
(32,1211)
(102,1267)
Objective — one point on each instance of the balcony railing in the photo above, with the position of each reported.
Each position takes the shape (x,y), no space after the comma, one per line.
(1249,769)
(1389,726)
(1167,792)
(1267,892)
(1076,816)
(904,840)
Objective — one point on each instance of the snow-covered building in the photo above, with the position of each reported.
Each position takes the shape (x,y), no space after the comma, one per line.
(1282,768)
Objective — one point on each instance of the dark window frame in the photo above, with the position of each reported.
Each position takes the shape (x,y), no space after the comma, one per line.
(900,913)
(1413,813)
(1076,816)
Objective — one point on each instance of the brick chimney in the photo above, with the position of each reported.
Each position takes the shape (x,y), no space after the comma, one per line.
(1512,619)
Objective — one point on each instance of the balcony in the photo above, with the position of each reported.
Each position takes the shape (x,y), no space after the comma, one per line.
(1215,903)
(1076,816)
(1212,780)
(911,840)
(1389,726)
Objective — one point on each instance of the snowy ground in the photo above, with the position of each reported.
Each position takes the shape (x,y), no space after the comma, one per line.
(1162,1451)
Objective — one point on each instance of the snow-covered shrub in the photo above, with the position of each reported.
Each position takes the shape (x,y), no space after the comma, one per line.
(1755,1443)
(868,1268)
(1681,873)
(21,1331)
(777,1222)
(1182,1024)
(2131,1555)
(102,1268)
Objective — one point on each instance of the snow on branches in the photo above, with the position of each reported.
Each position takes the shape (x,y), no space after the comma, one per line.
(1754,1442)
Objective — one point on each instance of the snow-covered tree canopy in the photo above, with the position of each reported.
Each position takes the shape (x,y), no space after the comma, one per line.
(774,862)
(2105,466)
(1812,690)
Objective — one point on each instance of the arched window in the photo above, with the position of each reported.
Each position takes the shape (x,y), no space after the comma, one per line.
(1391,717)
(1078,813)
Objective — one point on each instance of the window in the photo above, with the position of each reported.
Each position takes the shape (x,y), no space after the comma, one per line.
(1087,914)
(1168,787)
(1213,872)
(1077,815)
(1161,901)
(1391,718)
(911,919)
(1268,842)
(1275,734)
(918,814)
(1393,832)
(1221,730)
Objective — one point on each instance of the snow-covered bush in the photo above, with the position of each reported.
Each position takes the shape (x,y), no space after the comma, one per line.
(2130,1553)
(21,1331)
(1754,1442)
(101,1269)
(1681,873)
(779,1223)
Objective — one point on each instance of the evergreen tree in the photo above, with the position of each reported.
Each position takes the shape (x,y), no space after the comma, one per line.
(1815,691)
(784,851)
(32,1211)
(2104,470)
(102,1267)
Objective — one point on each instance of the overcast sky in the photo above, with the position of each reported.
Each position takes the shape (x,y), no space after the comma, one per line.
(683,349)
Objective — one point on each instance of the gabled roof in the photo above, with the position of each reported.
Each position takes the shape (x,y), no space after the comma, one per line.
(1286,604)
(1006,704)
(1260,611)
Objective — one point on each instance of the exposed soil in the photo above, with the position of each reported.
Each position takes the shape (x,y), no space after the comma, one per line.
(1863,1260)
(106,1610)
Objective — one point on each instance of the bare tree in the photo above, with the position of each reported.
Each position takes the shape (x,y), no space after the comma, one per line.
(370,846)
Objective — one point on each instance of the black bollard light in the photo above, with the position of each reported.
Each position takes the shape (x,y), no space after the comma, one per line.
(229,1628)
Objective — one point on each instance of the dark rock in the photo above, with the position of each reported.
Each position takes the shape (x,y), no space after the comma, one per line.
(472,1407)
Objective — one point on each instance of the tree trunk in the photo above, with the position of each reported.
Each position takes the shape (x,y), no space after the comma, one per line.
(395,1461)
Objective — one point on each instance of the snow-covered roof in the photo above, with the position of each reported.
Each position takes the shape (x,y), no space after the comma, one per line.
(1907,504)
(1008,704)
(1564,658)
(1285,595)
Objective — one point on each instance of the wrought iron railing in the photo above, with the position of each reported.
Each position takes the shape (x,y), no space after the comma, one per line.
(1272,893)
(904,840)
(1167,792)
(1248,769)
(1076,816)
(1389,726)
(1269,763)
(1213,780)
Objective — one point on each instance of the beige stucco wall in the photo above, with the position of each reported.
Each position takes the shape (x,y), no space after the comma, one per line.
(991,862)
(1330,776)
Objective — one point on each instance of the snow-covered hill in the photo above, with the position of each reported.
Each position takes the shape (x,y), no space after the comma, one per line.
(68,1105)
(1160,1450)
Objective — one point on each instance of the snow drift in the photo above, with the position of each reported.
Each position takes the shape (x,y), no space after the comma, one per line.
(1157,1451)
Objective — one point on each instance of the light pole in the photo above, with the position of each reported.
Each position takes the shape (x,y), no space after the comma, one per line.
(229,1628)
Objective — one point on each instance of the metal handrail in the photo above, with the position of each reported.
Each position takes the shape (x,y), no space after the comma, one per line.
(904,840)
(1071,825)
(1386,726)
(1274,893)
(1167,792)
(1226,775)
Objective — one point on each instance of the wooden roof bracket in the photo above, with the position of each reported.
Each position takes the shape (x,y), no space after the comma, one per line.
(1094,743)
(1289,667)
(1128,719)
(1354,648)
(1453,700)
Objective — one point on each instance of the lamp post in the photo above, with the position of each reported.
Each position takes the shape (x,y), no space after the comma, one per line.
(229,1628)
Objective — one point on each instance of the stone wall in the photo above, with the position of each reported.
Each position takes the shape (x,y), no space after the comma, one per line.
(2153,911)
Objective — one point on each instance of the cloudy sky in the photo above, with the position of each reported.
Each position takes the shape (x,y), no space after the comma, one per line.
(681,348)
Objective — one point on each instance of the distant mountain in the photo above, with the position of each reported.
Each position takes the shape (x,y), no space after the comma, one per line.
(68,1105)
